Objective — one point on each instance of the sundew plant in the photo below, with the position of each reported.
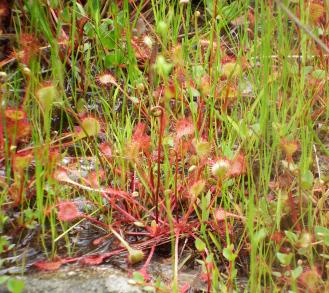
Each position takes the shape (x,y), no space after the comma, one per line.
(195,128)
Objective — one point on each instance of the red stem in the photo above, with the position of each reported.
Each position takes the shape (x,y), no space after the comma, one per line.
(176,183)
(154,109)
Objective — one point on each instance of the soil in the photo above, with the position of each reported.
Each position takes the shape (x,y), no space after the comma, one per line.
(104,278)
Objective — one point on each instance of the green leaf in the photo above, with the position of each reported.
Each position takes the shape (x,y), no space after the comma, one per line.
(107,35)
(149,289)
(322,233)
(200,245)
(210,258)
(81,9)
(114,59)
(260,235)
(15,285)
(296,272)
(194,92)
(162,67)
(292,237)
(284,259)
(228,253)
(307,180)
(3,279)
(277,274)
(138,277)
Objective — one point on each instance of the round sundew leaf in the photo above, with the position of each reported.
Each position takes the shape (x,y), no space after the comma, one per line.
(231,69)
(184,127)
(289,146)
(238,166)
(92,259)
(106,79)
(15,115)
(91,127)
(202,147)
(22,161)
(135,256)
(68,211)
(220,214)
(82,106)
(197,188)
(61,175)
(47,96)
(48,265)
(106,149)
(221,167)
(18,129)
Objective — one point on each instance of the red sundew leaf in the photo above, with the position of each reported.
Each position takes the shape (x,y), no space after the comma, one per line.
(289,147)
(22,160)
(54,156)
(17,125)
(141,49)
(316,11)
(18,130)
(139,130)
(310,280)
(95,177)
(15,114)
(68,211)
(48,265)
(106,79)
(277,237)
(184,127)
(92,260)
(180,76)
(61,175)
(220,215)
(29,45)
(185,288)
(197,187)
(238,166)
(106,149)
(159,92)
(27,40)
(116,192)
(170,90)
(140,139)
(100,240)
(205,85)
